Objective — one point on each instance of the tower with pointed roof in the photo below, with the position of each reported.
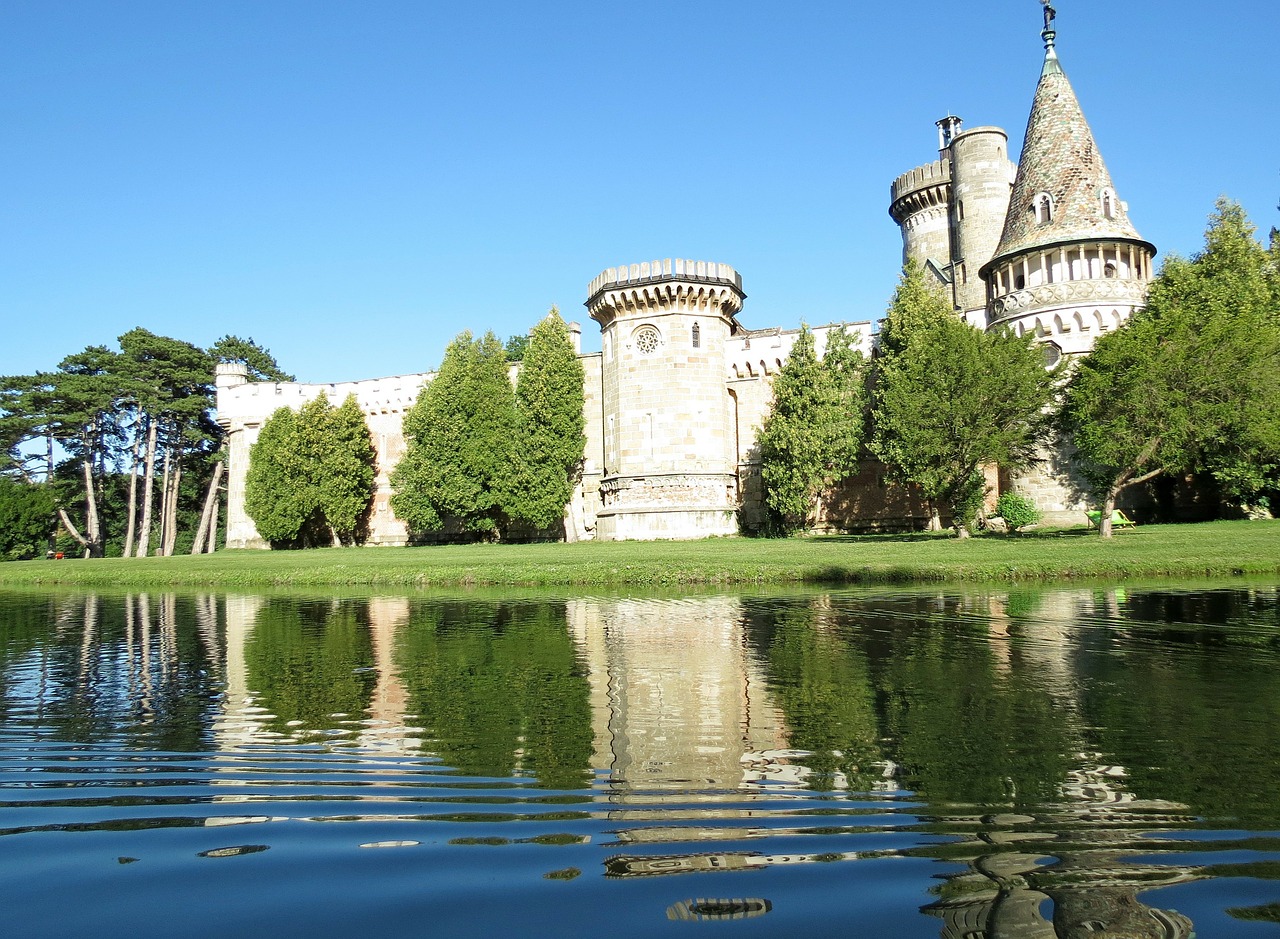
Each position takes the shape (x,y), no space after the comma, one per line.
(1045,248)
(1069,264)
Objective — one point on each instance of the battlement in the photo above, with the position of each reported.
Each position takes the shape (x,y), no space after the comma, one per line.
(937,173)
(649,272)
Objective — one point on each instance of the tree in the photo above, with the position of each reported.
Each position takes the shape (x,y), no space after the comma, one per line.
(456,471)
(811,438)
(345,474)
(27,519)
(261,364)
(311,474)
(950,399)
(1192,382)
(516,347)
(167,385)
(84,397)
(273,498)
(549,401)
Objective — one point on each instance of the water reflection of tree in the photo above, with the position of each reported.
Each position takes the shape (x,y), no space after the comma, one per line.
(1192,713)
(137,669)
(498,689)
(311,665)
(821,682)
(916,680)
(967,729)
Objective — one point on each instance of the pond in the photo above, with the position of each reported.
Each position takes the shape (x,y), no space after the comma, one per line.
(946,762)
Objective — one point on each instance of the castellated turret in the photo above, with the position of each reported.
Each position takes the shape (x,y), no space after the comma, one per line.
(670,455)
(951,211)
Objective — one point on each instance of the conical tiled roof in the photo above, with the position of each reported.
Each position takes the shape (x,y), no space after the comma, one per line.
(1059,157)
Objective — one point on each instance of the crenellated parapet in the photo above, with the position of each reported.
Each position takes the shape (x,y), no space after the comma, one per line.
(925,187)
(672,283)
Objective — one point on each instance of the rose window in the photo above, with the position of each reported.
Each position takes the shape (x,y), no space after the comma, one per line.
(647,340)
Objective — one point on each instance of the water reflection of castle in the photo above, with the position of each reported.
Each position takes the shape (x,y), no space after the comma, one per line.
(703,700)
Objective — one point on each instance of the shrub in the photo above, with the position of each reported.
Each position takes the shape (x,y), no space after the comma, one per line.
(1017,511)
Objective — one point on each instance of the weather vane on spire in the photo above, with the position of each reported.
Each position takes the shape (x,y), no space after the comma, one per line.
(1049,32)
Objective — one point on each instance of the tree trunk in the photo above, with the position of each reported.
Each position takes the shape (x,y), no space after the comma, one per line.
(210,506)
(171,510)
(333,533)
(1108,507)
(148,491)
(133,496)
(93,532)
(213,522)
(71,528)
(164,502)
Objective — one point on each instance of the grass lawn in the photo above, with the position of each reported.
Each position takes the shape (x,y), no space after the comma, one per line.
(1213,549)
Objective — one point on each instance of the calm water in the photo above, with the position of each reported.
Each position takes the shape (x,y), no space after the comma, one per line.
(1063,763)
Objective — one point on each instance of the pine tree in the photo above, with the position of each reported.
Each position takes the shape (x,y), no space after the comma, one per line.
(549,401)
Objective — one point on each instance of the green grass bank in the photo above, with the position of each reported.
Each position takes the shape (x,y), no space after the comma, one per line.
(1214,549)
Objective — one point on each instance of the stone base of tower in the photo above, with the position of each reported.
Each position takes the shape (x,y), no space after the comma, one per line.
(1060,493)
(667,507)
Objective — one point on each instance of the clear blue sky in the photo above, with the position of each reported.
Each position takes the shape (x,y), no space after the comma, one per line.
(353,183)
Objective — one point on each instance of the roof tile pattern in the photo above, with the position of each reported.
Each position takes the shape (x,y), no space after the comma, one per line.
(1059,157)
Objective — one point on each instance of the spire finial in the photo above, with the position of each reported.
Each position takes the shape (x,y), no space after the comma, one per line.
(1048,33)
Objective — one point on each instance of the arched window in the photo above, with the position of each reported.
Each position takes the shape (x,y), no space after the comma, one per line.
(1109,271)
(697,335)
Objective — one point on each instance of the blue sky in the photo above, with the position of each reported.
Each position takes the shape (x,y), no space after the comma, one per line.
(353,183)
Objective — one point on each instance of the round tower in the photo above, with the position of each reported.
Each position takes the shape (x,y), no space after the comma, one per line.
(670,459)
(981,179)
(920,204)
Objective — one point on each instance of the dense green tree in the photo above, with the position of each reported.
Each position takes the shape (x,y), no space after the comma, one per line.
(346,472)
(1192,382)
(950,399)
(27,518)
(456,473)
(261,364)
(549,400)
(311,473)
(273,498)
(811,438)
(516,347)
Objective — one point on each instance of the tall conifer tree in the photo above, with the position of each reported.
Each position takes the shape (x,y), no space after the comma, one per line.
(461,434)
(810,439)
(549,400)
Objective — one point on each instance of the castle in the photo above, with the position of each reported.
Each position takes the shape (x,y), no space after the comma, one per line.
(677,394)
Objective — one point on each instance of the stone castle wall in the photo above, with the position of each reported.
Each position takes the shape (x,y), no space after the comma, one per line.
(684,424)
